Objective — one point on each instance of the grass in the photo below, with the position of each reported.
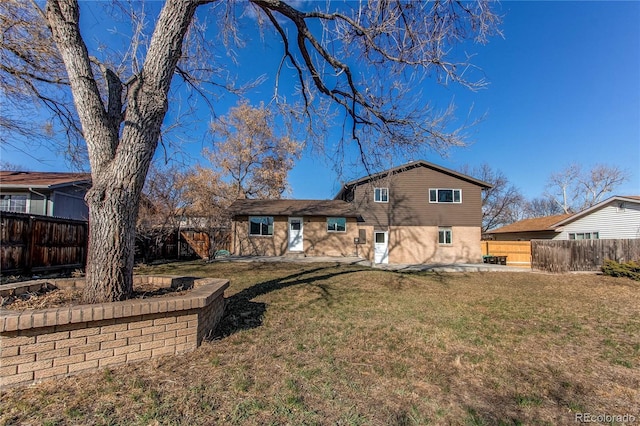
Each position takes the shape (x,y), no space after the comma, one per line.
(337,344)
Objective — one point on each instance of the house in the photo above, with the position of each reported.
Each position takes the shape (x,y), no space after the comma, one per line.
(416,213)
(45,193)
(617,217)
(538,228)
(278,227)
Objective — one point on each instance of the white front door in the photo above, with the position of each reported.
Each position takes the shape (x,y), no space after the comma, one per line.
(381,247)
(295,234)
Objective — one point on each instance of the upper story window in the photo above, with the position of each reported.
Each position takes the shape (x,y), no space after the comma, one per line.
(445,195)
(13,203)
(336,224)
(381,195)
(261,225)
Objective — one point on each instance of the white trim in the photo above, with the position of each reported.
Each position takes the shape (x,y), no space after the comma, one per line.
(381,189)
(295,243)
(336,230)
(445,189)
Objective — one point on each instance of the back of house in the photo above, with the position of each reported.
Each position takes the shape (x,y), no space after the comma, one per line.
(415,213)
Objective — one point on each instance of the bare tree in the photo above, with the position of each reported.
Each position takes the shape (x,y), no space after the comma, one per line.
(162,198)
(249,153)
(574,190)
(366,58)
(502,203)
(33,80)
(600,181)
(542,206)
(249,159)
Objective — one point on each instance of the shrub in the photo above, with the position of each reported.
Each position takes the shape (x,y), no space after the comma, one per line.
(629,269)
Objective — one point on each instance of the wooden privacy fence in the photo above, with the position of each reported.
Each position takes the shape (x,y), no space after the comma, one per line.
(174,243)
(581,255)
(518,252)
(32,243)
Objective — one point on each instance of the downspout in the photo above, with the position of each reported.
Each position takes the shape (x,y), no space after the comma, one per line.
(44,198)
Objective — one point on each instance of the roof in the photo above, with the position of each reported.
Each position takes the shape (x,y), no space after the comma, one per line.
(537,224)
(409,166)
(50,180)
(551,223)
(619,198)
(293,208)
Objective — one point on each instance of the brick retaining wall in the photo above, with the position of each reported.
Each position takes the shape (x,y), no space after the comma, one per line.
(47,343)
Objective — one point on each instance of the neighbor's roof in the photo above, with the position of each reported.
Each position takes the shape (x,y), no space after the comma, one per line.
(536,224)
(293,208)
(409,166)
(616,198)
(42,179)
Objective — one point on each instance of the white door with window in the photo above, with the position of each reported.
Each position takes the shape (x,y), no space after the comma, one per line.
(381,247)
(295,234)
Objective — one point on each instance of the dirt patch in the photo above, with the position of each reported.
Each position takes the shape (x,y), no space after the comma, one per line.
(52,297)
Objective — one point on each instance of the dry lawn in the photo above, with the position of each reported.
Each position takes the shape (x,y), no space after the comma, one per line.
(335,344)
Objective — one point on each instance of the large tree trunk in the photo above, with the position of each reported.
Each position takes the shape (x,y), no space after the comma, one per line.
(119,154)
(112,224)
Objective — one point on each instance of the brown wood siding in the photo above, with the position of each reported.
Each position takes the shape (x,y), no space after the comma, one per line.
(409,200)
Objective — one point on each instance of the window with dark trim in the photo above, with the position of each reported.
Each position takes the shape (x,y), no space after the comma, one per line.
(381,195)
(261,226)
(437,195)
(336,224)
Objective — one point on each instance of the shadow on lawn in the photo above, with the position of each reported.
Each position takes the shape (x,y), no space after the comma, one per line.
(242,314)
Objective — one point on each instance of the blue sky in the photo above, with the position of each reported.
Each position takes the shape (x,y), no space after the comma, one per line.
(564,87)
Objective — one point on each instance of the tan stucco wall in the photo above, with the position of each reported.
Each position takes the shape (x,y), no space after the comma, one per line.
(419,244)
(407,244)
(317,241)
(274,245)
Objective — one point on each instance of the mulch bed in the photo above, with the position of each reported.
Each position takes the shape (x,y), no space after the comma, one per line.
(52,297)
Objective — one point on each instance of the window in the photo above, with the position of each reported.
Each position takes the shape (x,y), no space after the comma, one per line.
(336,224)
(584,235)
(444,235)
(13,203)
(445,195)
(261,225)
(381,195)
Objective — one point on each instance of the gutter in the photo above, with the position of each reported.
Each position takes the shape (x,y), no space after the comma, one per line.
(44,197)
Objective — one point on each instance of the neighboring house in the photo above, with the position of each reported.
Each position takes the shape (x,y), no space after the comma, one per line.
(617,217)
(415,213)
(528,229)
(45,193)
